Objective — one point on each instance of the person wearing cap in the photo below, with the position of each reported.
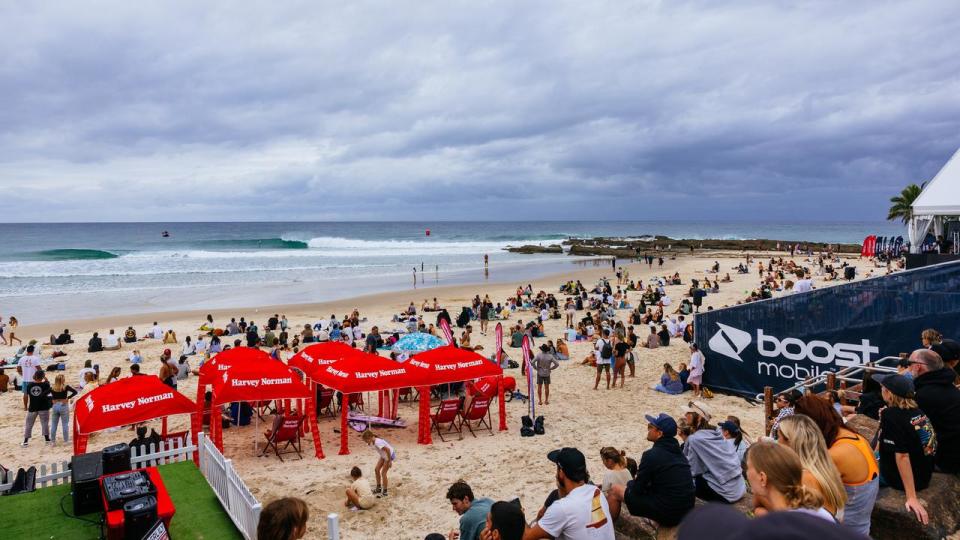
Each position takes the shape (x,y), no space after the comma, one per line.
(714,463)
(583,513)
(731,431)
(907,442)
(939,399)
(663,489)
(472,511)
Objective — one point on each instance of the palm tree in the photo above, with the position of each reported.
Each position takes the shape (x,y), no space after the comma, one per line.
(902,207)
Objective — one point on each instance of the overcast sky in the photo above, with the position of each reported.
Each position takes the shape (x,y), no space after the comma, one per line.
(118,111)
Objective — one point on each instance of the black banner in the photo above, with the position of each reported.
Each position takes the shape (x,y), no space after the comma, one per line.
(782,341)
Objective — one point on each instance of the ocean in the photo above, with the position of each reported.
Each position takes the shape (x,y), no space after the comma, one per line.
(60,271)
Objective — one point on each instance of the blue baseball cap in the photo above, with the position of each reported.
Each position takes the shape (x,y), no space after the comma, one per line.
(664,422)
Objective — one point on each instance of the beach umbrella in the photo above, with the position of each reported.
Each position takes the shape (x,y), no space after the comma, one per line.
(417,342)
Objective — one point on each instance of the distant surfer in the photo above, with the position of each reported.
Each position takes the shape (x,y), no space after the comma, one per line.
(165,234)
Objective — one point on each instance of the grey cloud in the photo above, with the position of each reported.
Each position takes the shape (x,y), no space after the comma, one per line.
(540,110)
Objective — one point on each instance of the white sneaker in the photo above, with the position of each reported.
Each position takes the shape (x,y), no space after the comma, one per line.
(25,443)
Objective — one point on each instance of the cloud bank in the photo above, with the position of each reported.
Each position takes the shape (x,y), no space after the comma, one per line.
(120,111)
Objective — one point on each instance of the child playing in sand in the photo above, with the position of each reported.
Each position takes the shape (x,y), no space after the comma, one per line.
(359,495)
(387,456)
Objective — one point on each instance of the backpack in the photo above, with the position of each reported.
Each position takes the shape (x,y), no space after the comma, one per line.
(606,352)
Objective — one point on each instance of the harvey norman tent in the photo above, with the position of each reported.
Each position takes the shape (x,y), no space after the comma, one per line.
(939,202)
(126,401)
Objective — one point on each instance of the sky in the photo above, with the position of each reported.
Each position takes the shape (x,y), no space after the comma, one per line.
(488,110)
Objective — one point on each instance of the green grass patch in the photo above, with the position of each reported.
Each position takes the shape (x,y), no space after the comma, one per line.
(199,515)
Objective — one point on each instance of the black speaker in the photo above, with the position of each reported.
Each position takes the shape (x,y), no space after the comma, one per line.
(116,458)
(849,272)
(85,472)
(139,516)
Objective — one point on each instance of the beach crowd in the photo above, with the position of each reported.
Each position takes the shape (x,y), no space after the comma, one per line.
(811,471)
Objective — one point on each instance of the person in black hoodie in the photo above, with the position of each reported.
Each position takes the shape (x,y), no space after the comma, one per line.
(939,399)
(95,344)
(663,488)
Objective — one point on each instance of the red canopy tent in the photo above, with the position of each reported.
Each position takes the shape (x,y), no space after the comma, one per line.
(258,381)
(356,372)
(210,370)
(122,402)
(450,364)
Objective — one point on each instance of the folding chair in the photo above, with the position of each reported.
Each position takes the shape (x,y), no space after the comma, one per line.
(409,395)
(447,413)
(325,406)
(264,408)
(286,429)
(355,402)
(478,411)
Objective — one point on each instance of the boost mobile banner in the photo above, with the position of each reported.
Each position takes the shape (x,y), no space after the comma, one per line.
(782,341)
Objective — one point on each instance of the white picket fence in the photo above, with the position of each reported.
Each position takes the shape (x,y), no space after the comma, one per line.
(242,507)
(171,451)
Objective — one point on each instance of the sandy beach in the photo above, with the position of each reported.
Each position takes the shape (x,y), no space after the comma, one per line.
(499,466)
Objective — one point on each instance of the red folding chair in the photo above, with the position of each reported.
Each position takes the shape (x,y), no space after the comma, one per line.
(479,412)
(447,413)
(326,403)
(356,402)
(286,429)
(408,394)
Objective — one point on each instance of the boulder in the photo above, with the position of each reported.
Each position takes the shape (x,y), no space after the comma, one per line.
(629,527)
(891,520)
(864,425)
(555,248)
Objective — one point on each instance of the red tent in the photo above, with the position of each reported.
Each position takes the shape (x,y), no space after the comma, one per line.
(126,401)
(218,364)
(449,364)
(362,372)
(258,381)
(315,357)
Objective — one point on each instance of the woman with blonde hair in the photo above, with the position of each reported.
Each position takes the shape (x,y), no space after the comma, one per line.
(803,436)
(775,475)
(60,395)
(617,473)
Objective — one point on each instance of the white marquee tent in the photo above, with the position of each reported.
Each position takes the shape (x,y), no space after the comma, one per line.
(939,202)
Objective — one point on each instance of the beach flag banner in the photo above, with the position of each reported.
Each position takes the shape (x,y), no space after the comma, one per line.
(131,400)
(445,326)
(782,341)
(502,406)
(527,361)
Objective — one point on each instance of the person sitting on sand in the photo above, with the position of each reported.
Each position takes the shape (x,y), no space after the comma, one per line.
(170,337)
(505,521)
(715,466)
(95,344)
(664,335)
(670,382)
(130,335)
(731,431)
(472,511)
(359,495)
(663,489)
(563,353)
(112,341)
(63,339)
